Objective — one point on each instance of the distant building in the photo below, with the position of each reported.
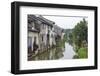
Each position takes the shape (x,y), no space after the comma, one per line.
(62,34)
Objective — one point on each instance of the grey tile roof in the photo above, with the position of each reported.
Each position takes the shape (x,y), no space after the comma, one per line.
(40,18)
(49,22)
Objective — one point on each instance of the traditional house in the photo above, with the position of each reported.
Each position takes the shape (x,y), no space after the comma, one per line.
(46,31)
(33,34)
(42,33)
(58,33)
(63,33)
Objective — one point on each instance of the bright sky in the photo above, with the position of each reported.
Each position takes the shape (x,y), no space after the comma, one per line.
(66,22)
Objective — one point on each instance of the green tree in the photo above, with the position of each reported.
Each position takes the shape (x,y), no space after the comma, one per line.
(80,33)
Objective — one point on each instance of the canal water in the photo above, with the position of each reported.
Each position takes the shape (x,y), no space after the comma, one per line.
(69,52)
(66,52)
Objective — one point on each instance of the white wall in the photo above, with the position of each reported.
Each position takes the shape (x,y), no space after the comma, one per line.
(5,41)
(32,34)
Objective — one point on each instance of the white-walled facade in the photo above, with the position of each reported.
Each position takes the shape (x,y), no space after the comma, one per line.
(33,36)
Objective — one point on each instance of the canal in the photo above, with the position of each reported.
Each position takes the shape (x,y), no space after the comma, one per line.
(66,52)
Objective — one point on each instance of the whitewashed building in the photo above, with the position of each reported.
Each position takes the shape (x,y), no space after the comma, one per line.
(33,34)
(42,33)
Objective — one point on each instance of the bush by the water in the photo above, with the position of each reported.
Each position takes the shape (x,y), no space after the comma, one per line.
(83,52)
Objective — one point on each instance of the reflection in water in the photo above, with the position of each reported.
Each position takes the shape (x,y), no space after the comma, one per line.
(69,52)
(56,53)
